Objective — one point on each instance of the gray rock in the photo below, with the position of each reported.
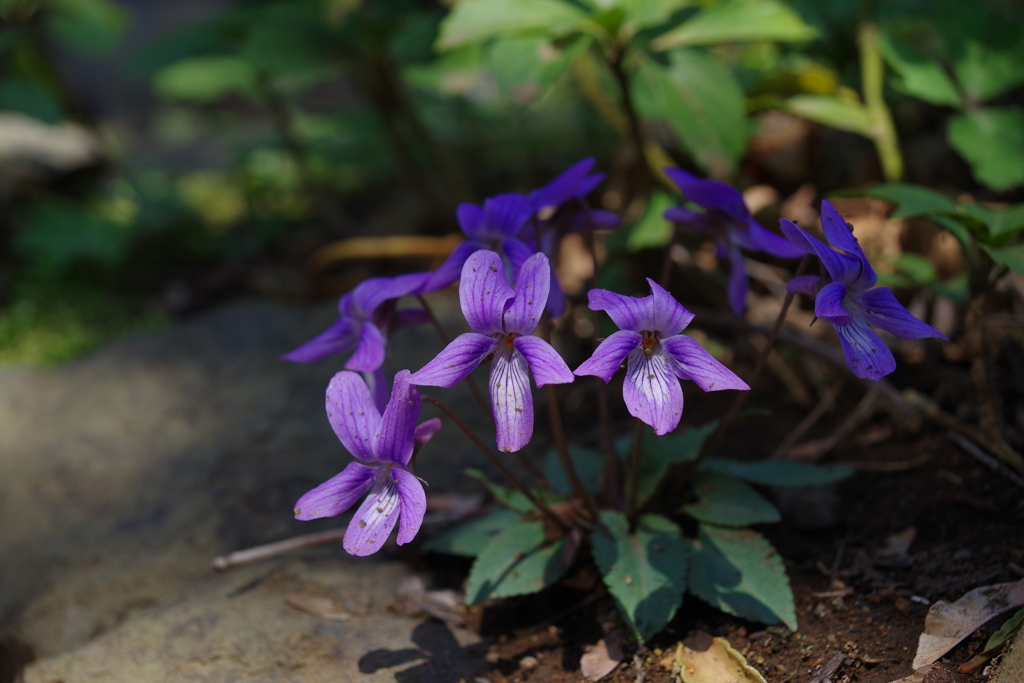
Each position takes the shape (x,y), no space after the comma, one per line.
(122,474)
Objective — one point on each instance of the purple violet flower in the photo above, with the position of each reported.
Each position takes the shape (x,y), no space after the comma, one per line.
(559,206)
(847,297)
(655,352)
(503,320)
(367,315)
(383,446)
(494,226)
(728,221)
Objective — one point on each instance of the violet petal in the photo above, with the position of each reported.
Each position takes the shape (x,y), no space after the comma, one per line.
(337,494)
(530,296)
(546,365)
(651,390)
(425,431)
(504,215)
(840,234)
(352,414)
(566,186)
(484,292)
(696,364)
(627,312)
(455,361)
(470,218)
(608,356)
(670,316)
(805,284)
(880,309)
(760,238)
(340,337)
(369,294)
(412,505)
(372,350)
(375,518)
(739,283)
(865,352)
(842,267)
(451,269)
(511,400)
(398,424)
(828,304)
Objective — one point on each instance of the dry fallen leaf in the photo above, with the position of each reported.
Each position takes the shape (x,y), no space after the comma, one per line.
(932,674)
(949,623)
(318,605)
(703,659)
(602,659)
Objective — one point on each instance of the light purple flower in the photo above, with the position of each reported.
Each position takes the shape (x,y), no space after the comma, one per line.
(503,320)
(727,220)
(494,226)
(383,446)
(847,297)
(656,354)
(367,316)
(561,206)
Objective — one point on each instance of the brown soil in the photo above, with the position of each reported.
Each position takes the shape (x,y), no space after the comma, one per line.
(850,597)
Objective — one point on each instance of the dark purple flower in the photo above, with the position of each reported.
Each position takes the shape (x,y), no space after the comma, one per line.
(728,221)
(367,315)
(561,206)
(503,320)
(383,446)
(655,352)
(493,226)
(847,296)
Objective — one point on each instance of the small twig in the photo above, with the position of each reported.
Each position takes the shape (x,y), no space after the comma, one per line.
(825,673)
(823,406)
(265,552)
(985,458)
(498,464)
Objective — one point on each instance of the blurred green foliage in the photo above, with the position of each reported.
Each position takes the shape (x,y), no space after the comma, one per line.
(293,116)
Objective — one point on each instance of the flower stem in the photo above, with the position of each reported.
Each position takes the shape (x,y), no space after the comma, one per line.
(634,474)
(496,461)
(762,359)
(558,433)
(883,130)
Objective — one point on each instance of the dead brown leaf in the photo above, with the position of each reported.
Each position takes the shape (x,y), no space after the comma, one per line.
(322,606)
(703,659)
(949,623)
(601,660)
(935,673)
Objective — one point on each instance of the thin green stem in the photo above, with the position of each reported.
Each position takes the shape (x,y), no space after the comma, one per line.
(498,464)
(883,131)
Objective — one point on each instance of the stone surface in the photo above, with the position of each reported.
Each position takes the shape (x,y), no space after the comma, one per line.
(123,473)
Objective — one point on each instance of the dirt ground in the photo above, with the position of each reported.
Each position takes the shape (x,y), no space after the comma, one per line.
(860,589)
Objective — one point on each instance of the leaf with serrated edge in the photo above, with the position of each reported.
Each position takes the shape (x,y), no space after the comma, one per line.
(739,572)
(515,562)
(661,452)
(779,473)
(645,571)
(470,537)
(728,501)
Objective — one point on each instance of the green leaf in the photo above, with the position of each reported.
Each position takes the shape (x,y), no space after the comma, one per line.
(985,69)
(469,538)
(992,141)
(205,79)
(588,463)
(31,99)
(473,21)
(703,103)
(739,572)
(93,27)
(57,233)
(910,200)
(661,452)
(781,473)
(916,74)
(510,498)
(1011,257)
(734,21)
(516,561)
(728,501)
(1011,627)
(283,49)
(1001,223)
(956,229)
(645,571)
(644,13)
(652,230)
(830,111)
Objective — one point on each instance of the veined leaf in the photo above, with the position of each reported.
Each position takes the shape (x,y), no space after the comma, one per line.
(645,571)
(830,111)
(515,562)
(781,473)
(473,21)
(992,141)
(471,537)
(733,21)
(1011,257)
(510,498)
(739,572)
(917,75)
(703,103)
(653,230)
(910,200)
(728,501)
(661,452)
(588,463)
(1001,223)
